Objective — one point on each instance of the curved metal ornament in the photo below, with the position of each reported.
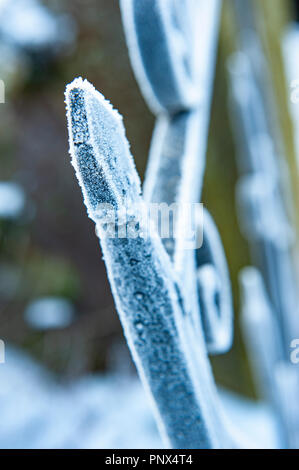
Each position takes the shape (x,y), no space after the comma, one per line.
(156,287)
(162,37)
(178,88)
(214,290)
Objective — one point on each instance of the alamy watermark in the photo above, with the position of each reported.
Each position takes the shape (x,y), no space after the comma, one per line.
(294,356)
(295,91)
(180,222)
(2,351)
(2,91)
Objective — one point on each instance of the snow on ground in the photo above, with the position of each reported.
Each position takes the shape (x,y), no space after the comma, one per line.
(99,411)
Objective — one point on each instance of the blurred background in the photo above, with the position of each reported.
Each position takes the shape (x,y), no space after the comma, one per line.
(55,301)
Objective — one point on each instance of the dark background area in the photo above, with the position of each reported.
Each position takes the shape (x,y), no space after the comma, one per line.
(296,8)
